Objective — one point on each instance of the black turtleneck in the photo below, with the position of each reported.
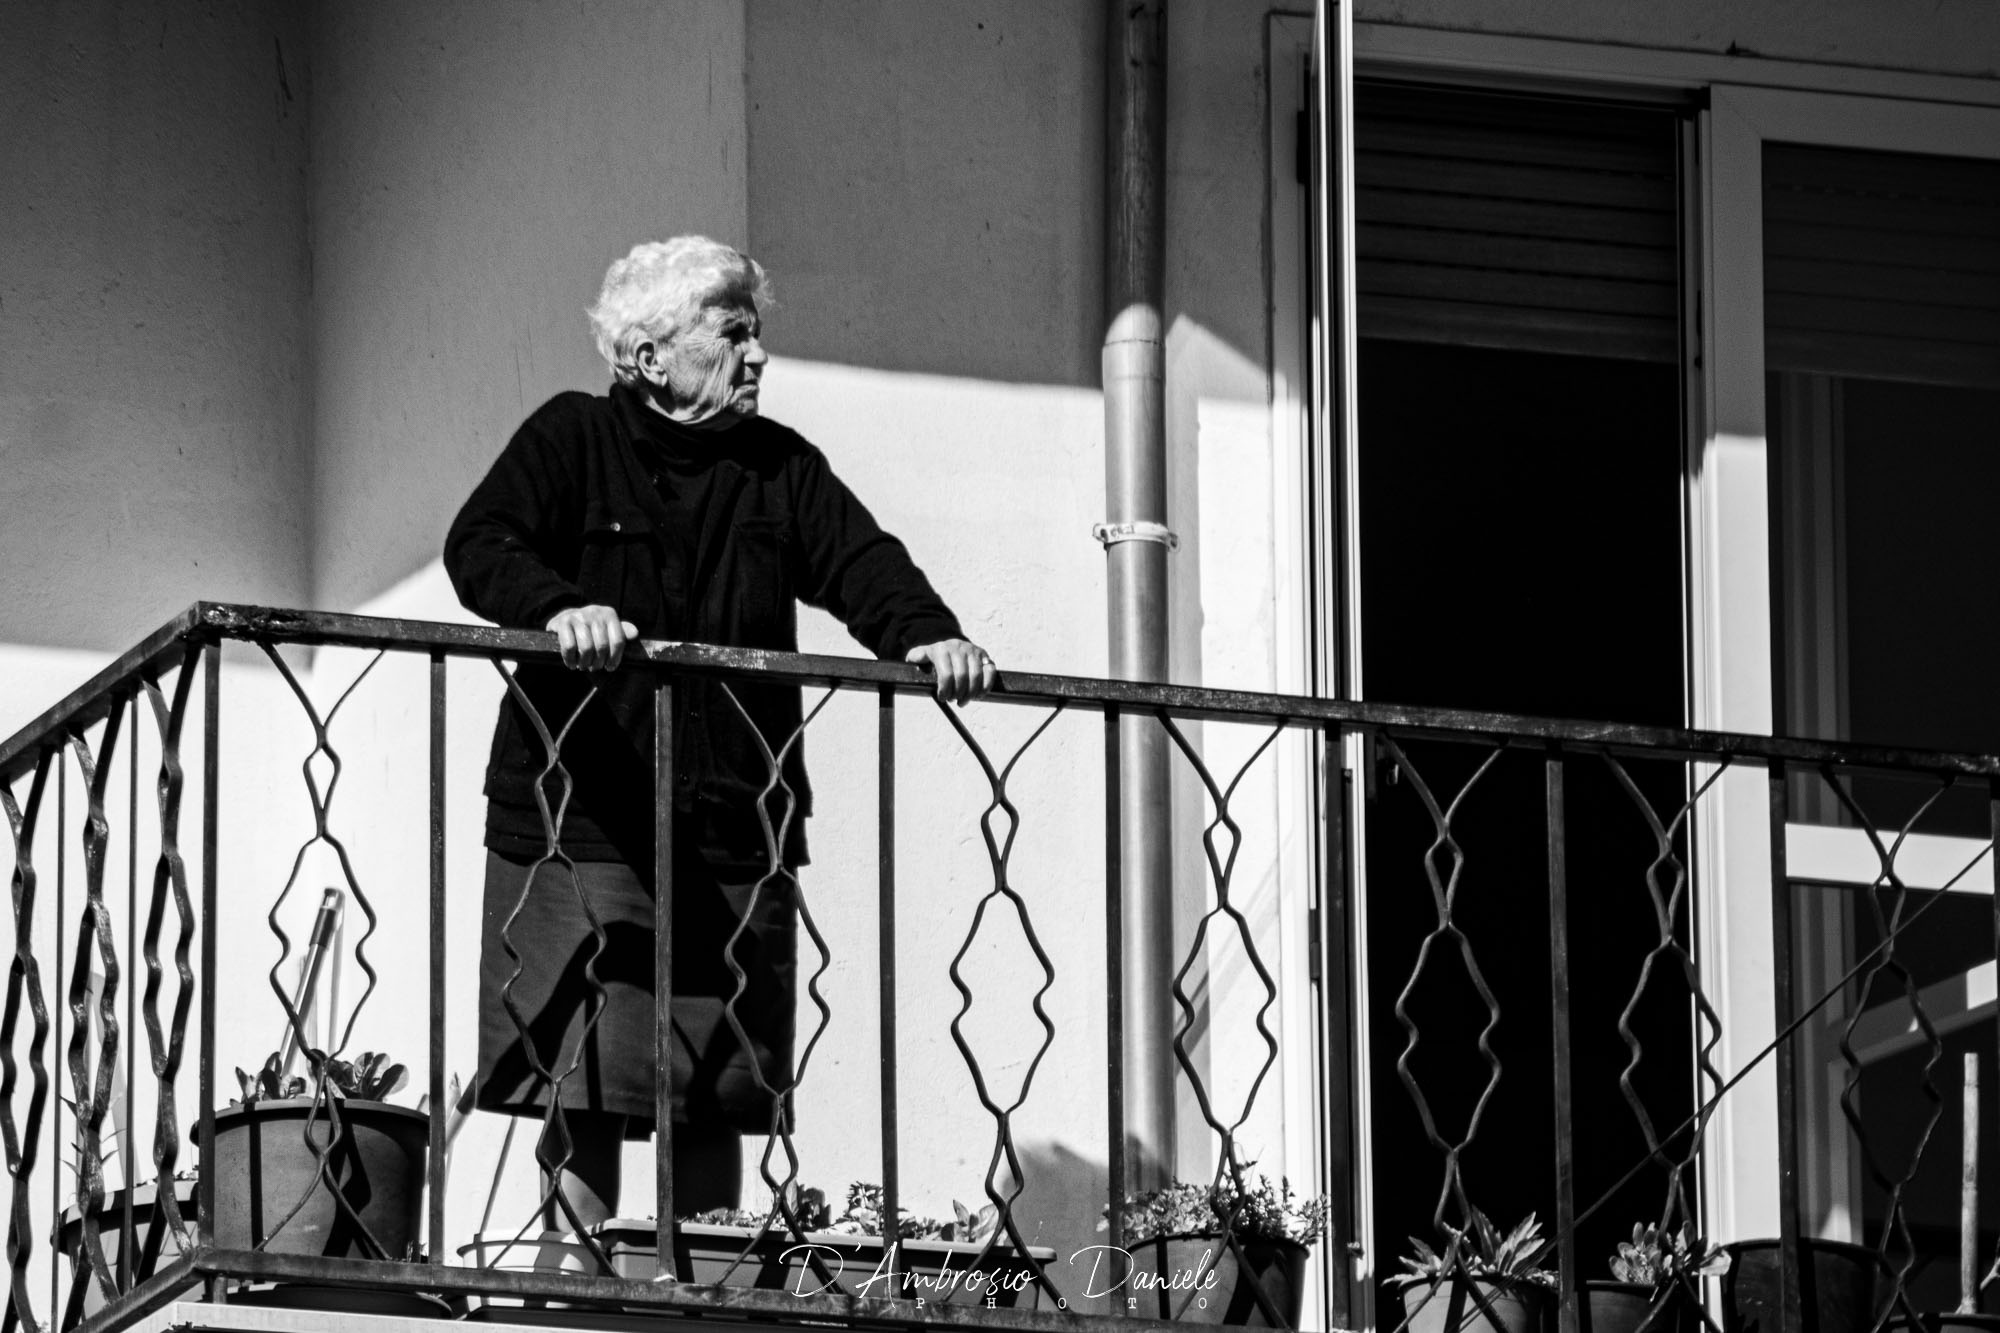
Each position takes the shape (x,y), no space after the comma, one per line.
(680,461)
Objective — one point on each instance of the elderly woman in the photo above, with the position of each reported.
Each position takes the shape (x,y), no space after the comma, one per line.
(666,508)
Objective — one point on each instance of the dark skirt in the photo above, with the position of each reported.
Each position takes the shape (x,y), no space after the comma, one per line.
(608,1065)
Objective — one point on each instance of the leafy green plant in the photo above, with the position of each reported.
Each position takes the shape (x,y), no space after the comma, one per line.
(806,1204)
(1261,1211)
(864,1212)
(1512,1259)
(968,1227)
(368,1078)
(1650,1259)
(862,1216)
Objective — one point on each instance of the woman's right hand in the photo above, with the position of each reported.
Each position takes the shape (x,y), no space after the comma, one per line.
(592,638)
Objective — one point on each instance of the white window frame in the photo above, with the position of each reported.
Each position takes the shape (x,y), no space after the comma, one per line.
(1729,606)
(1730,578)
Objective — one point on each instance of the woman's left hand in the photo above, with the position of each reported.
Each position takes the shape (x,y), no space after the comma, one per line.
(963,670)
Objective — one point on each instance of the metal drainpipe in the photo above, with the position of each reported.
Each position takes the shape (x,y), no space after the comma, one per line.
(1137,542)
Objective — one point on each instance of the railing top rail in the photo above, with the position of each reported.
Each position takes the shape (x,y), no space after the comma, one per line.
(215,620)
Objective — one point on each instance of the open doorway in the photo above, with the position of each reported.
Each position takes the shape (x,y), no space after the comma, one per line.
(1519,485)
(1521,554)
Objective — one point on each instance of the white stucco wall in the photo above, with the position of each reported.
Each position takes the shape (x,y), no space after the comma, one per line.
(476,165)
(153,432)
(152,285)
(929,213)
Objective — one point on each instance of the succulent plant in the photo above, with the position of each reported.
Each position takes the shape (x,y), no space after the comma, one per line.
(1513,1259)
(369,1078)
(1652,1260)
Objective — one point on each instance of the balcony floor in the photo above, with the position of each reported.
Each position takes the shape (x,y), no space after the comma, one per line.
(205,1317)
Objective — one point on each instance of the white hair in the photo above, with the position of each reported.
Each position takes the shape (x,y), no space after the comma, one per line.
(656,292)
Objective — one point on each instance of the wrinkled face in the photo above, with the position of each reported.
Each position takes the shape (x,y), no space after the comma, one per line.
(711,371)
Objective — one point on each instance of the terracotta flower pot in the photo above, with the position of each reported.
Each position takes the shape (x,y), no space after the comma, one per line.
(1479,1306)
(1633,1307)
(264,1167)
(1168,1279)
(1839,1282)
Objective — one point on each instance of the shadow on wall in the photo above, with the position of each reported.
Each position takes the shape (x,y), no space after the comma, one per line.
(1060,1208)
(921,205)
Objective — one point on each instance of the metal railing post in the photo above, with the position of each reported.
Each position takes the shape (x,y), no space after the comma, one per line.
(127,1157)
(1791,1264)
(211,764)
(1559,1014)
(1116,1183)
(885,869)
(1336,978)
(663,974)
(440,1112)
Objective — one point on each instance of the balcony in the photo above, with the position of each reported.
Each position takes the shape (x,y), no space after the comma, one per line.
(175,927)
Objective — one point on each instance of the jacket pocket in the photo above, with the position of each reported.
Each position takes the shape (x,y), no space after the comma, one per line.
(759,577)
(610,522)
(618,564)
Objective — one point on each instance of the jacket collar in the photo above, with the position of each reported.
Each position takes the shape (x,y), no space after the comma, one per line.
(643,422)
(643,428)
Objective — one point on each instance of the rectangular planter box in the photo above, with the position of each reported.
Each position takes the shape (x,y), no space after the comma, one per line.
(931,1270)
(536,1252)
(156,1243)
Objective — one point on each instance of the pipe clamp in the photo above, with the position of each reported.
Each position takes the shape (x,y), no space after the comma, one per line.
(1110,534)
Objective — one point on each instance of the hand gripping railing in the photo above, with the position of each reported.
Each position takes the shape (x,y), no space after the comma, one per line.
(157,1256)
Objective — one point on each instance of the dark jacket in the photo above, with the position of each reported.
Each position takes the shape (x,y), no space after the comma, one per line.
(569,516)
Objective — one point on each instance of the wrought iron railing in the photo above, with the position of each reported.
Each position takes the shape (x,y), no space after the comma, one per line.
(126,1252)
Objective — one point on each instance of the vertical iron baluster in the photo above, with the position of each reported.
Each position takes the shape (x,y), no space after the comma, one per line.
(439,1111)
(127,1158)
(777,836)
(211,758)
(1559,1015)
(321,800)
(556,1144)
(663,973)
(1444,864)
(1114,983)
(885,855)
(23,1142)
(170,879)
(1336,1006)
(56,1013)
(999,851)
(1221,860)
(91,1075)
(1791,1314)
(1887,897)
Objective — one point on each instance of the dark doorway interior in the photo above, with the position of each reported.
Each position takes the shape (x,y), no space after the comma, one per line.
(1521,551)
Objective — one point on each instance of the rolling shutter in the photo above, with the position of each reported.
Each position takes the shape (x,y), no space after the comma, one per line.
(1882,265)
(1516,222)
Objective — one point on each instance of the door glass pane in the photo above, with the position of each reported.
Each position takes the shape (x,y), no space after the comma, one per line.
(1882,346)
(1882,337)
